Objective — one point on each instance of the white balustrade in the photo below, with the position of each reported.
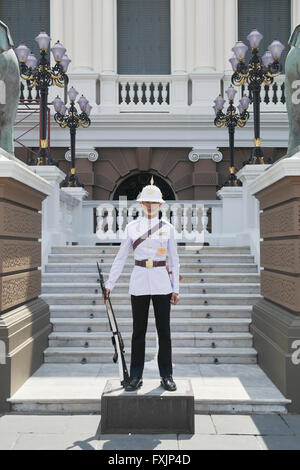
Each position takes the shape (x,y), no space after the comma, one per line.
(144,93)
(194,221)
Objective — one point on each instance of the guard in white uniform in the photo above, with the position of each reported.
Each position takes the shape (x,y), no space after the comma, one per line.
(151,239)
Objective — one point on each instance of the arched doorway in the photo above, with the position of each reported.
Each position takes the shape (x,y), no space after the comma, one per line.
(133,184)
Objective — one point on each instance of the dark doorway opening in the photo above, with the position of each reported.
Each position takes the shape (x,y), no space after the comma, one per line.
(133,184)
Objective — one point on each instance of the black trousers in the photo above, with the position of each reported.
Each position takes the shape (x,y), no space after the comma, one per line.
(140,310)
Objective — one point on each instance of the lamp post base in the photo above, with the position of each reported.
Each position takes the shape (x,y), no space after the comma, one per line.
(258,158)
(43,157)
(72,181)
(232,180)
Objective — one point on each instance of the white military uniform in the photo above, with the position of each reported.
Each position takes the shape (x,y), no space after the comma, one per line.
(144,280)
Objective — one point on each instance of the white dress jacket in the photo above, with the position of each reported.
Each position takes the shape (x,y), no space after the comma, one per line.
(143,280)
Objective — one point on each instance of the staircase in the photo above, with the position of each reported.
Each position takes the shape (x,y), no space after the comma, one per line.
(210,324)
(211,342)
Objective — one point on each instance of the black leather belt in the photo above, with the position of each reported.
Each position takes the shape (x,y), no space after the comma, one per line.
(149,263)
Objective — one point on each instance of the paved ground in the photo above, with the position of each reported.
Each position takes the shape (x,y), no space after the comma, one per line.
(83,432)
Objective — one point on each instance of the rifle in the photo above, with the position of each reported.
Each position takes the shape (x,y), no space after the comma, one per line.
(117,341)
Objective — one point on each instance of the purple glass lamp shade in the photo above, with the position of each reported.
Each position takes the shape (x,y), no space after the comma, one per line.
(241,109)
(240,50)
(233,62)
(215,109)
(245,101)
(31,61)
(72,94)
(63,109)
(43,41)
(57,103)
(231,92)
(219,102)
(267,59)
(58,51)
(82,103)
(22,52)
(254,38)
(276,49)
(65,61)
(88,109)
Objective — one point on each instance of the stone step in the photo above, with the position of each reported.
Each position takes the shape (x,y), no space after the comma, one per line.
(191,340)
(185,299)
(190,248)
(187,268)
(181,311)
(121,287)
(232,278)
(179,355)
(209,325)
(184,258)
(218,388)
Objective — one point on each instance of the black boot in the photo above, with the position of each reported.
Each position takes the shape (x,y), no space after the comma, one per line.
(134,384)
(168,383)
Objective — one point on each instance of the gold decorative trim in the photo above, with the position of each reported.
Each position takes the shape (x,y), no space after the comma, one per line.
(257,142)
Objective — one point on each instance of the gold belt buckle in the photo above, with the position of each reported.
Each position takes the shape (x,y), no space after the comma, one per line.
(149,263)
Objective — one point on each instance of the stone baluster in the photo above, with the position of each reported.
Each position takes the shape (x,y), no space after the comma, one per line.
(123,92)
(164,92)
(131,92)
(140,91)
(148,93)
(155,93)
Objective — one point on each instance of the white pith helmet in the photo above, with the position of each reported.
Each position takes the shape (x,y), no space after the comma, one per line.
(150,193)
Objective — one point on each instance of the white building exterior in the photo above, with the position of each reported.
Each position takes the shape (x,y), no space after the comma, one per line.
(202,35)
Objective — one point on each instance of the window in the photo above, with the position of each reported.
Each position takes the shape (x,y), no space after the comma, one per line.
(144,37)
(272,18)
(26,19)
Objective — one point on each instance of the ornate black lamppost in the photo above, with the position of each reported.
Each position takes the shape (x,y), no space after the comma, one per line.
(70,118)
(255,73)
(39,73)
(231,119)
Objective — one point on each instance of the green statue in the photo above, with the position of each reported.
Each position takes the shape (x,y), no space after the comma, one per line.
(292,87)
(9,88)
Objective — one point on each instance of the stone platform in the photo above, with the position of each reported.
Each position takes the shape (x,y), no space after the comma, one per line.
(221,388)
(150,409)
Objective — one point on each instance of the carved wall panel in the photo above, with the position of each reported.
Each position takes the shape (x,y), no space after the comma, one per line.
(19,256)
(19,288)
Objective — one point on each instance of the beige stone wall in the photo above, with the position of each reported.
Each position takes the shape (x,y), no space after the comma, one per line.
(24,317)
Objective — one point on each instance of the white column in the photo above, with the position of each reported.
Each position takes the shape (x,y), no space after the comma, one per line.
(109,78)
(178,38)
(295,13)
(231,214)
(81,74)
(97,35)
(204,55)
(179,80)
(230,19)
(250,234)
(82,35)
(108,28)
(57,33)
(206,82)
(57,21)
